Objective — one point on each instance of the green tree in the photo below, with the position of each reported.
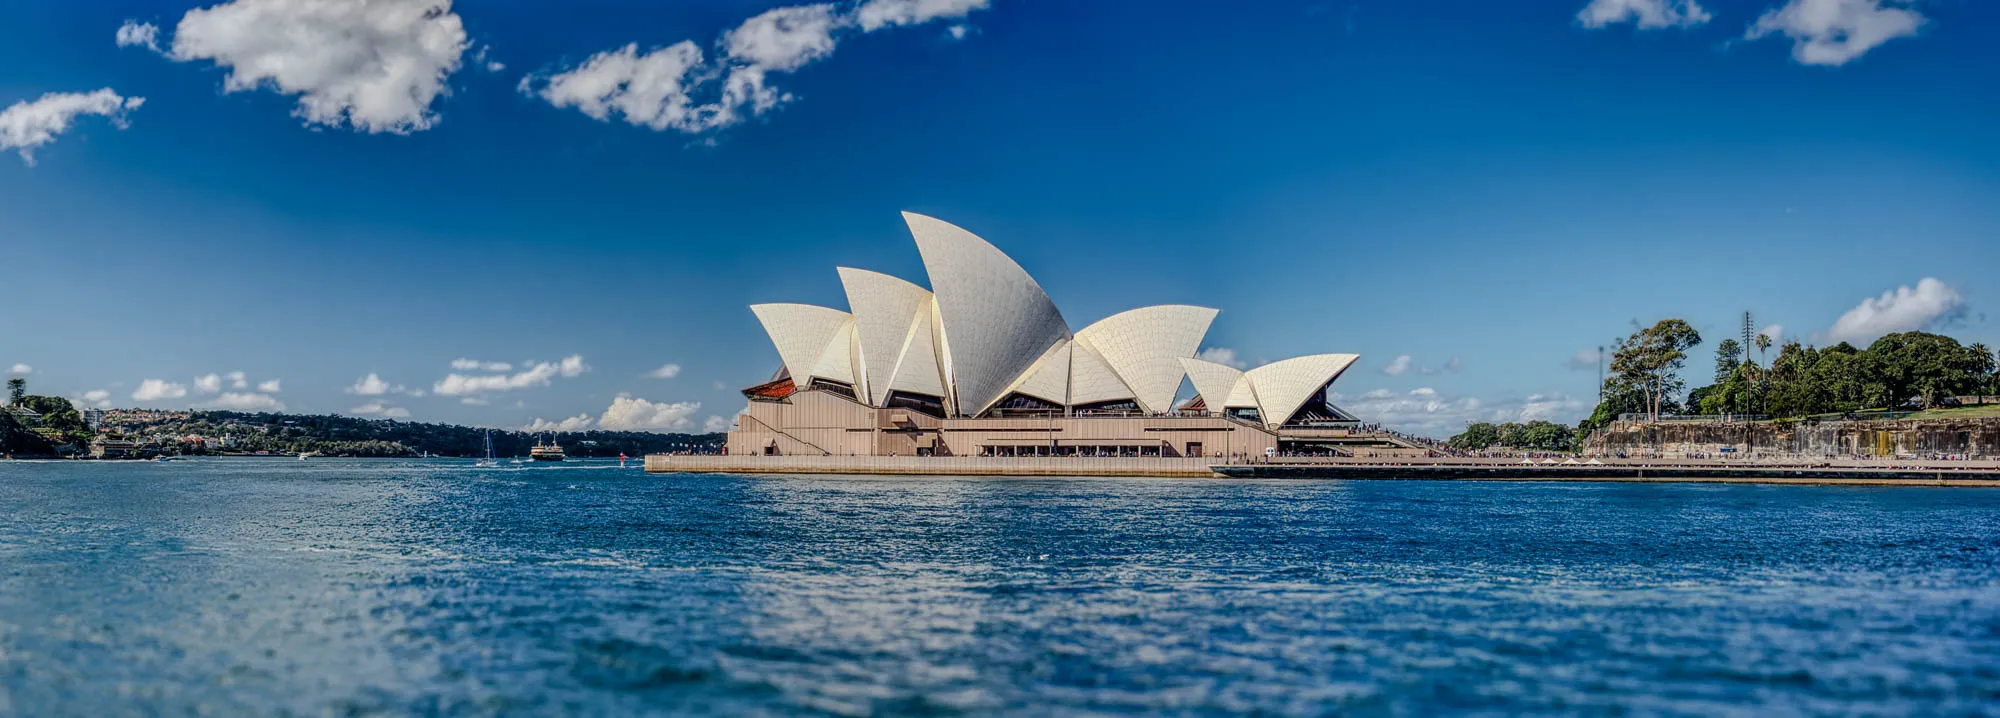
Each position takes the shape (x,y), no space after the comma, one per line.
(1925,368)
(17,387)
(1651,359)
(1728,356)
(1763,344)
(1475,437)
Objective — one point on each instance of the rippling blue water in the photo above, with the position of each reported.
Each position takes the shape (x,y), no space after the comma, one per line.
(253,586)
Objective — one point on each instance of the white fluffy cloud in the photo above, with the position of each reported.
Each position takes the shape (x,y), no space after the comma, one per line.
(1397,366)
(659,88)
(20,369)
(668,371)
(375,66)
(580,422)
(634,414)
(372,385)
(1646,14)
(717,424)
(157,389)
(139,34)
(463,364)
(1222,355)
(245,401)
(376,408)
(208,384)
(1776,332)
(1425,411)
(98,397)
(270,387)
(537,375)
(1903,309)
(876,14)
(26,125)
(1833,32)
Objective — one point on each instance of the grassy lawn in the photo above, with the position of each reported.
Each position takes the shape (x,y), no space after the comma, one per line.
(1963,412)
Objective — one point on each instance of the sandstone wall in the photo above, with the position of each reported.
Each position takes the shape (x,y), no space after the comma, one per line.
(1932,437)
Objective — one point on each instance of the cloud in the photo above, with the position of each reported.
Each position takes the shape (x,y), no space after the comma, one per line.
(1645,14)
(372,385)
(668,371)
(717,424)
(139,34)
(208,384)
(1454,366)
(21,369)
(634,414)
(376,408)
(1901,310)
(877,14)
(237,380)
(99,397)
(375,66)
(157,389)
(1397,366)
(1222,355)
(463,364)
(1427,412)
(537,375)
(1586,359)
(243,401)
(1833,32)
(580,422)
(271,387)
(678,87)
(1776,332)
(26,125)
(475,401)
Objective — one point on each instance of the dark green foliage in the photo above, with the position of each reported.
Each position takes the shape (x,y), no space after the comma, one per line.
(1534,435)
(1911,370)
(16,388)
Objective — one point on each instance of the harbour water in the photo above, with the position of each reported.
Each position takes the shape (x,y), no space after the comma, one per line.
(244,586)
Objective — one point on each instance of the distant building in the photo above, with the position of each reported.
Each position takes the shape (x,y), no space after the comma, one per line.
(93,418)
(28,417)
(113,449)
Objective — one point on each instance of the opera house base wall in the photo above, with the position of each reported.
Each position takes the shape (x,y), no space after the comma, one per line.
(934,466)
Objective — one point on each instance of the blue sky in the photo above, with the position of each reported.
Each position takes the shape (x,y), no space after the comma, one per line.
(1486,188)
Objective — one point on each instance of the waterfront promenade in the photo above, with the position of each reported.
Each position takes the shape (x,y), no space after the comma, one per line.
(1815,471)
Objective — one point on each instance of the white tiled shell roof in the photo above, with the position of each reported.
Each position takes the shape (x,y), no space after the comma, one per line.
(885,308)
(801,332)
(997,321)
(1091,380)
(1284,386)
(1145,345)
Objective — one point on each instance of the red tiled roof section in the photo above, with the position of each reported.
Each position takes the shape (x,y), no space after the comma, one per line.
(777,389)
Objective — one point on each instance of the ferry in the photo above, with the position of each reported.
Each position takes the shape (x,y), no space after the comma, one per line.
(550,451)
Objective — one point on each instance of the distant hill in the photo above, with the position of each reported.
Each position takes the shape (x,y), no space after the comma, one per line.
(329,435)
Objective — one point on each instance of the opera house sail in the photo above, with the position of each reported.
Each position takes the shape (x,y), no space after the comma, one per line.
(982,362)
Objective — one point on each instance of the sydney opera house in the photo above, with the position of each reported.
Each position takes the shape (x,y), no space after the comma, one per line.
(983,364)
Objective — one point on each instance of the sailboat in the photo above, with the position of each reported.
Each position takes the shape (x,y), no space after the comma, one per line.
(488,461)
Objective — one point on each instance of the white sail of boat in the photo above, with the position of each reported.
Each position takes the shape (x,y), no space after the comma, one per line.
(489,460)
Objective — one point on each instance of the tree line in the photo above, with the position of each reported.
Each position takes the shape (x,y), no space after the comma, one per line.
(1906,370)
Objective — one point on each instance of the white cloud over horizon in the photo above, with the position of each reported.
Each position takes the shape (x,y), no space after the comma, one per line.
(634,414)
(372,385)
(376,408)
(374,67)
(270,387)
(1643,14)
(1398,366)
(244,401)
(30,124)
(100,398)
(464,364)
(539,374)
(571,425)
(157,389)
(1835,32)
(19,369)
(1927,305)
(718,424)
(658,88)
(667,371)
(1424,411)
